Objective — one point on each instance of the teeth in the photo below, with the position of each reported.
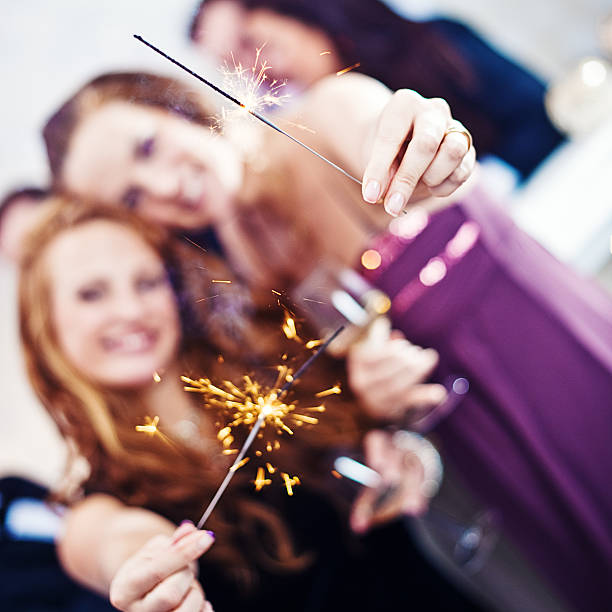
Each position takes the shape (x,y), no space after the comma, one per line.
(135,341)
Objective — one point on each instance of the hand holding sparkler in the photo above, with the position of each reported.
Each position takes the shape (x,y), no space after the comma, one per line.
(162,575)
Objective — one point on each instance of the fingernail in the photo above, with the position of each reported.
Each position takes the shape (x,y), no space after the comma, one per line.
(210,533)
(371,192)
(186,522)
(395,203)
(204,541)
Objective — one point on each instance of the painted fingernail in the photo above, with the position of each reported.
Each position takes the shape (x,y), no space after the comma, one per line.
(186,522)
(395,203)
(210,533)
(204,541)
(371,193)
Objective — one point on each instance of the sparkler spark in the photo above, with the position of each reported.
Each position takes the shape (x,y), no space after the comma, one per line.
(335,390)
(150,425)
(289,328)
(248,109)
(258,407)
(348,69)
(252,87)
(151,428)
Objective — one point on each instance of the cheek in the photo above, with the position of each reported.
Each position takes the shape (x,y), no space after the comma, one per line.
(165,309)
(75,331)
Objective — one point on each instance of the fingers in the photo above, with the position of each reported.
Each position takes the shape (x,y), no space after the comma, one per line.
(155,562)
(414,154)
(394,126)
(452,153)
(182,530)
(402,473)
(378,333)
(383,377)
(194,601)
(426,140)
(169,593)
(458,177)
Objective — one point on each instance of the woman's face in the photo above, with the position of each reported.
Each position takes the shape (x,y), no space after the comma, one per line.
(296,52)
(167,169)
(113,309)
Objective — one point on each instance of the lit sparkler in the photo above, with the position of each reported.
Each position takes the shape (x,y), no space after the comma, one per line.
(257,407)
(246,107)
(252,86)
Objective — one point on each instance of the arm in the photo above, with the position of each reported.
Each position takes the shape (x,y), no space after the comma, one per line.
(137,557)
(398,142)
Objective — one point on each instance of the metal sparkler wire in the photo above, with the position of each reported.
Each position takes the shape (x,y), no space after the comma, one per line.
(260,419)
(245,107)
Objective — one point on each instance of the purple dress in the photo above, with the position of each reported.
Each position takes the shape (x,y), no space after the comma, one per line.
(533,436)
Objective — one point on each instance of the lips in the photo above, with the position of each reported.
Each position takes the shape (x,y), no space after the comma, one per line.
(130,343)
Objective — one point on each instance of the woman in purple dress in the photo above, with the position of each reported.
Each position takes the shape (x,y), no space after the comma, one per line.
(531,438)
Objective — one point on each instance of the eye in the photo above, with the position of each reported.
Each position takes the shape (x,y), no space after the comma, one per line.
(149,283)
(90,294)
(131,197)
(145,148)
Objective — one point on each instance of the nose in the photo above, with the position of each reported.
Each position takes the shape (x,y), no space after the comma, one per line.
(129,305)
(161,182)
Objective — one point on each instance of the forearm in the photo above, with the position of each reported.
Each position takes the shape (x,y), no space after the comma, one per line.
(100,534)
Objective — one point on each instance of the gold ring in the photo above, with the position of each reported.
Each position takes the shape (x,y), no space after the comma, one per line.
(460,130)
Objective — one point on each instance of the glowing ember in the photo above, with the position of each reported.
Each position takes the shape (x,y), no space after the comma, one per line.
(150,425)
(227,282)
(156,377)
(151,428)
(313,344)
(261,481)
(289,328)
(290,482)
(348,69)
(335,390)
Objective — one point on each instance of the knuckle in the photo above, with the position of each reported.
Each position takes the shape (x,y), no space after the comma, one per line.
(427,143)
(169,597)
(460,174)
(455,148)
(407,95)
(404,180)
(117,598)
(430,180)
(440,104)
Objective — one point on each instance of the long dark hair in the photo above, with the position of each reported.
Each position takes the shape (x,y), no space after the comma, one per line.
(397,51)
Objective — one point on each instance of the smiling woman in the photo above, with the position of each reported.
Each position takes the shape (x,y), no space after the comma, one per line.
(152,159)
(115,313)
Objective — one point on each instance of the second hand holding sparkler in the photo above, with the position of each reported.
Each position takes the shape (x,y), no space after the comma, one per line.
(260,420)
(251,111)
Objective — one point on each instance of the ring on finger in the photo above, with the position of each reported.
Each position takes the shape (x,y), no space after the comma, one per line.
(459,129)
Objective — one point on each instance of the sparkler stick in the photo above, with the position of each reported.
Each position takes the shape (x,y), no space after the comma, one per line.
(246,108)
(260,419)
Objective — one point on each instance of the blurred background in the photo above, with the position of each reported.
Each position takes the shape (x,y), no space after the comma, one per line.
(51,47)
